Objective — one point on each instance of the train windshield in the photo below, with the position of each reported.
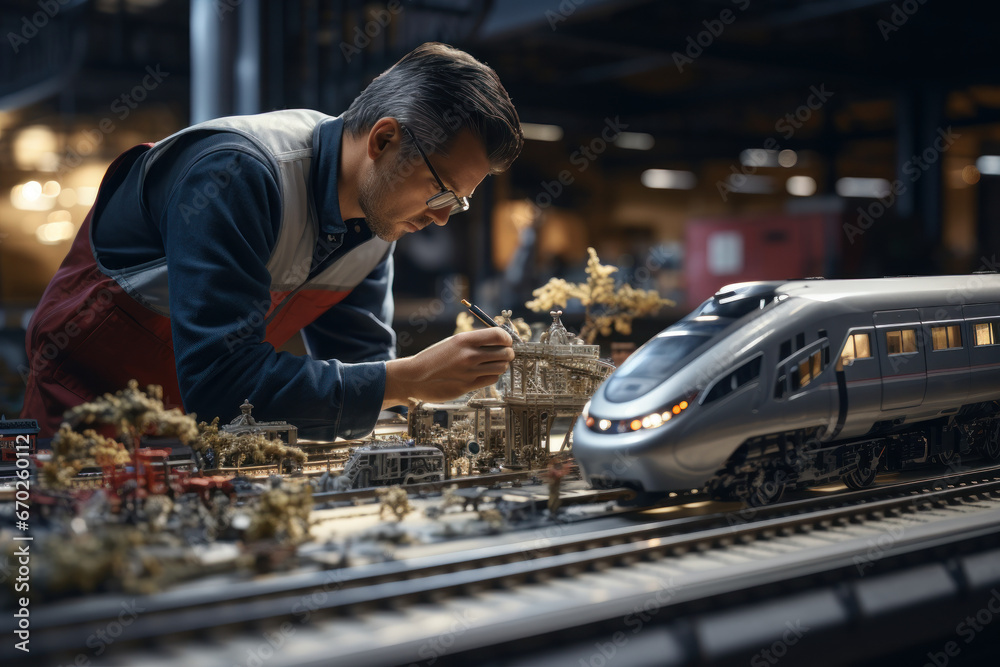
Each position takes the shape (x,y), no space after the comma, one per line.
(655,362)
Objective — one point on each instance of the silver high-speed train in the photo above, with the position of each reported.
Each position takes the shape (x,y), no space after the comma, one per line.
(774,385)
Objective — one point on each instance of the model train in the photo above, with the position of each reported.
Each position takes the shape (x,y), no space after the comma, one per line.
(775,385)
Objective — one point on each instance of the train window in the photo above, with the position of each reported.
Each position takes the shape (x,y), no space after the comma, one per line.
(901,341)
(785,350)
(800,341)
(657,360)
(779,387)
(743,375)
(946,337)
(807,370)
(748,372)
(858,346)
(985,333)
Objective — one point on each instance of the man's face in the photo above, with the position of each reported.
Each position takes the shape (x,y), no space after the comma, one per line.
(394,191)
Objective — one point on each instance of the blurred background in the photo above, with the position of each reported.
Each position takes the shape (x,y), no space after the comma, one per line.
(693,144)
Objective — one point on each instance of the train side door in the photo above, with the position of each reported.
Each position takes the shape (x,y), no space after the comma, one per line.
(899,339)
(859,382)
(984,350)
(947,354)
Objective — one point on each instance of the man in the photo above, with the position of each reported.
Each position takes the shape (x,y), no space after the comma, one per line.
(208,250)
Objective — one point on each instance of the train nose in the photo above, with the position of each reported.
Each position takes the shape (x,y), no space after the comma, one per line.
(643,459)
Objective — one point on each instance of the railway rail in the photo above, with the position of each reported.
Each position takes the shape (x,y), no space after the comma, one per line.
(544,583)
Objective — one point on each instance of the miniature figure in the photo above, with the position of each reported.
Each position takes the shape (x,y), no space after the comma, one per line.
(554,475)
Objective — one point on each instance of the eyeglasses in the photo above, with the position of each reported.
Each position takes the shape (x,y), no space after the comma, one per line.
(446,198)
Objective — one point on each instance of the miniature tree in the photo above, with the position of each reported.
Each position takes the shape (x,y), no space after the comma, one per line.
(464,322)
(236,449)
(134,413)
(395,500)
(282,513)
(606,307)
(72,451)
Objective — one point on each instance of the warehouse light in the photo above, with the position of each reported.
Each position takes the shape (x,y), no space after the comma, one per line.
(34,149)
(31,190)
(86,195)
(67,197)
(788,158)
(970,174)
(51,189)
(759,157)
(30,197)
(862,187)
(801,186)
(668,179)
(55,232)
(538,132)
(636,141)
(988,165)
(750,184)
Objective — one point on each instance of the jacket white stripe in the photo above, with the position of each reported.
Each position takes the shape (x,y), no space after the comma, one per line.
(286,139)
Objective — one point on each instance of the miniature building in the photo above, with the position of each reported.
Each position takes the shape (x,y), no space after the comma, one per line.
(489,424)
(422,417)
(549,379)
(17,435)
(245,423)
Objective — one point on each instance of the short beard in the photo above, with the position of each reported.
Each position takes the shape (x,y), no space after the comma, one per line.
(373,199)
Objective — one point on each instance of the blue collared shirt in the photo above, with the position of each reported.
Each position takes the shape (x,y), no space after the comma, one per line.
(216,249)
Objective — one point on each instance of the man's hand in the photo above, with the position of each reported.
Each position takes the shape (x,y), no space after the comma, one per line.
(449,368)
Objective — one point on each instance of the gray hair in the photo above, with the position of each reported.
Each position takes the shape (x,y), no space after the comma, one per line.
(437,91)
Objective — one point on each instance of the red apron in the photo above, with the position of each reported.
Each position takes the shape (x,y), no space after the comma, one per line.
(88,337)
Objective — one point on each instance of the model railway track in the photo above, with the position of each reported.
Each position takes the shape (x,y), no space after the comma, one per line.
(423,488)
(344,593)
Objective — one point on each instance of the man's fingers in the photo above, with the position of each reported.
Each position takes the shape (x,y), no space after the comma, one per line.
(490,336)
(488,354)
(493,368)
(485,381)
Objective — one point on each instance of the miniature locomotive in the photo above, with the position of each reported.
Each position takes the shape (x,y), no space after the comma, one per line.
(774,385)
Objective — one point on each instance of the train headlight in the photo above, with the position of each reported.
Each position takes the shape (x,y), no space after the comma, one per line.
(656,419)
